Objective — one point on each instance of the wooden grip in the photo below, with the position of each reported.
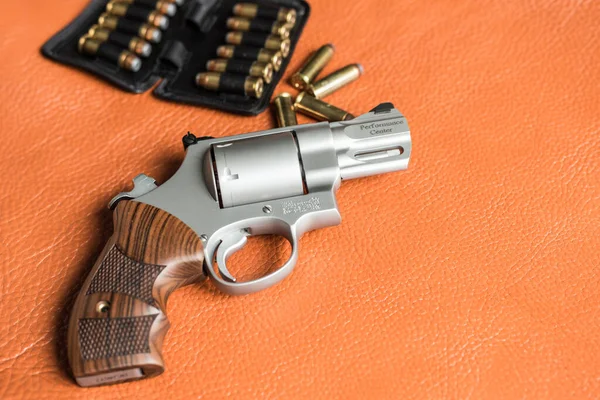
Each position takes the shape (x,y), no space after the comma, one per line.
(119,320)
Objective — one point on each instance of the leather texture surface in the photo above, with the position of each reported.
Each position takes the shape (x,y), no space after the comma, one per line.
(473,275)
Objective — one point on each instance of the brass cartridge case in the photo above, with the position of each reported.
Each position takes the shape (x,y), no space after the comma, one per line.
(283,107)
(335,81)
(309,71)
(319,110)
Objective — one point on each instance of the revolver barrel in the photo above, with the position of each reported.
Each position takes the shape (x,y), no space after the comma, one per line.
(374,143)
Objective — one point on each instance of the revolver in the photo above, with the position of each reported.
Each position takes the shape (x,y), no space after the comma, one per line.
(280,181)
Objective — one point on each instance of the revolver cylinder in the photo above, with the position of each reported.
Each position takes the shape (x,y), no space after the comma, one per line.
(257,169)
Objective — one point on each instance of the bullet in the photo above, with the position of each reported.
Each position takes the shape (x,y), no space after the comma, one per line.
(265,40)
(163,6)
(123,58)
(251,53)
(336,80)
(319,110)
(242,67)
(284,110)
(251,10)
(309,71)
(276,28)
(133,43)
(132,11)
(144,31)
(245,85)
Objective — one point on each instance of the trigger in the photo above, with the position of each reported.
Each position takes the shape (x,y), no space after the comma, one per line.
(229,245)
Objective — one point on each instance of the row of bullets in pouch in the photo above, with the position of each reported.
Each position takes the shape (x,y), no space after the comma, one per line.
(309,102)
(124,33)
(256,46)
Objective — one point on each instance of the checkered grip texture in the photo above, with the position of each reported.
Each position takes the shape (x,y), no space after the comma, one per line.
(120,274)
(109,337)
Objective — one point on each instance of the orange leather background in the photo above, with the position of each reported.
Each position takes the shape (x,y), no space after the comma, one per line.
(474,274)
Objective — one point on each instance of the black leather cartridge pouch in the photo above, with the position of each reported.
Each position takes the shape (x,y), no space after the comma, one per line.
(194,33)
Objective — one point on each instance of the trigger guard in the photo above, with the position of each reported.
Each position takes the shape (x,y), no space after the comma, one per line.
(227,283)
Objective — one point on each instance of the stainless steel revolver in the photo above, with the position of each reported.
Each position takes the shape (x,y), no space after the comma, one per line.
(280,181)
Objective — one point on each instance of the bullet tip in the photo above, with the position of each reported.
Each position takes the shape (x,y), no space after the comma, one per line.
(164,23)
(171,10)
(136,64)
(146,50)
(156,36)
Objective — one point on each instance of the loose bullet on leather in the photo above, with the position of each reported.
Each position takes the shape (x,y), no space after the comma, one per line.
(283,106)
(315,64)
(335,81)
(320,110)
